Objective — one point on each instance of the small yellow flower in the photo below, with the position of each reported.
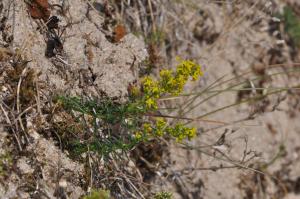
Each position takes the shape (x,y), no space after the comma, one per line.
(159,132)
(138,135)
(151,103)
(147,81)
(180,132)
(165,74)
(160,126)
(196,72)
(151,88)
(191,133)
(148,84)
(160,123)
(147,128)
(189,68)
(155,91)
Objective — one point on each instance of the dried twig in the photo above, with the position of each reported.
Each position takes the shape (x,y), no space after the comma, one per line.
(18,101)
(11,126)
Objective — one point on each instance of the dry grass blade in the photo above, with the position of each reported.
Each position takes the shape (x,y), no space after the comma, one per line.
(18,101)
(238,103)
(232,88)
(237,164)
(11,126)
(189,119)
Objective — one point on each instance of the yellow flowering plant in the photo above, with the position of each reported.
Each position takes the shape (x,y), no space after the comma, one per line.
(169,83)
(136,118)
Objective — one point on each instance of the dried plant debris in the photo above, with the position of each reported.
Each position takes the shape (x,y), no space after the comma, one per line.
(119,33)
(39,9)
(27,90)
(5,54)
(280,185)
(148,157)
(6,30)
(54,46)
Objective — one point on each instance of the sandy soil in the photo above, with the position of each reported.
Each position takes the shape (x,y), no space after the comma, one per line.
(274,132)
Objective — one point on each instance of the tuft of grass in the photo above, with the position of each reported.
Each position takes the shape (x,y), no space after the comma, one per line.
(163,195)
(98,194)
(292,24)
(6,162)
(156,37)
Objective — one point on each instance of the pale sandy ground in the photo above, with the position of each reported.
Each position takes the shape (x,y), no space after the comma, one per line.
(243,46)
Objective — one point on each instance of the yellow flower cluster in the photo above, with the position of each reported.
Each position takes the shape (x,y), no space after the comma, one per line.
(151,92)
(160,128)
(180,132)
(188,68)
(169,82)
(138,135)
(147,128)
(157,129)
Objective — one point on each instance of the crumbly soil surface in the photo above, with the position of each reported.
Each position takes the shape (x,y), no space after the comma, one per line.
(250,151)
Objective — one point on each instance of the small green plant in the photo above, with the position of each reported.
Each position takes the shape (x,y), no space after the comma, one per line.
(98,194)
(292,24)
(155,37)
(136,118)
(163,195)
(5,163)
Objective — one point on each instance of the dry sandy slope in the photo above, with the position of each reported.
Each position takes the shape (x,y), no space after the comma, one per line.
(245,43)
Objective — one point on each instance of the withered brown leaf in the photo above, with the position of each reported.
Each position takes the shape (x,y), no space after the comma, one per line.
(39,9)
(119,33)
